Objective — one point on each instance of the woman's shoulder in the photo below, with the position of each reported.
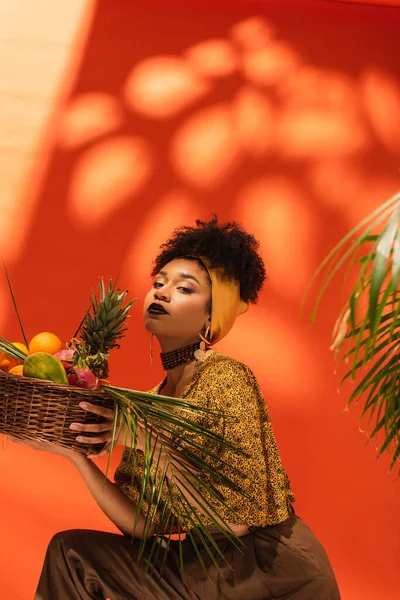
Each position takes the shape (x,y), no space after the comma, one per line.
(218,369)
(156,388)
(223,380)
(221,366)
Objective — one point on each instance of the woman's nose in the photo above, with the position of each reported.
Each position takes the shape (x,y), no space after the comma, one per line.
(161,295)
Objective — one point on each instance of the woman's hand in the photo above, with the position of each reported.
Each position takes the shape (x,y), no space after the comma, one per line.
(45,446)
(104,430)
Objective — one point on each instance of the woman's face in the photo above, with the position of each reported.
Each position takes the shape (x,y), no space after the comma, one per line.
(183,290)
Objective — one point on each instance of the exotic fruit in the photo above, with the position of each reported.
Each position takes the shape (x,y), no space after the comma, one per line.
(100,330)
(8,362)
(18,370)
(84,362)
(81,377)
(66,357)
(45,342)
(78,376)
(42,365)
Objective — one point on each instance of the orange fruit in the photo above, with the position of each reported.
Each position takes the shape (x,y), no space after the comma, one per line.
(16,370)
(7,362)
(45,342)
(21,347)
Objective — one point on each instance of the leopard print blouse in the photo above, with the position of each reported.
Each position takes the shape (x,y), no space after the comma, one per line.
(229,388)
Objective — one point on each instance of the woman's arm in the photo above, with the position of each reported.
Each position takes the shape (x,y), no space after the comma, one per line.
(118,507)
(178,471)
(115,505)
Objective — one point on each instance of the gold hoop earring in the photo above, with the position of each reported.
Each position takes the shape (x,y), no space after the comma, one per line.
(151,348)
(200,353)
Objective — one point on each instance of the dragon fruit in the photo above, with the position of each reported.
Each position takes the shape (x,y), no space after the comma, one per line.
(66,358)
(82,378)
(77,374)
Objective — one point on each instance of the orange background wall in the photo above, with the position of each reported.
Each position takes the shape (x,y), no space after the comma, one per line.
(122,120)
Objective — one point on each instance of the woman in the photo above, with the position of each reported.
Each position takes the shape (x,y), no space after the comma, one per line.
(204,278)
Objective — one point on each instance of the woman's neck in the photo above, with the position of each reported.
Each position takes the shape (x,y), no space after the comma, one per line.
(178,378)
(168,345)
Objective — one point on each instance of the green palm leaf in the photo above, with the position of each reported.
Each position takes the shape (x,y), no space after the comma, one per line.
(8,348)
(334,261)
(384,246)
(367,331)
(14,303)
(163,419)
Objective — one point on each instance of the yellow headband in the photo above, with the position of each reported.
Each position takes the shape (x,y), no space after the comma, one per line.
(226,302)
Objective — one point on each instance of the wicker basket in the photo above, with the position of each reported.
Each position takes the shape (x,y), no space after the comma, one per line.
(42,410)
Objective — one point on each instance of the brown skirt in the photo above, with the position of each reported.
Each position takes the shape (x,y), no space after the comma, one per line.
(278,562)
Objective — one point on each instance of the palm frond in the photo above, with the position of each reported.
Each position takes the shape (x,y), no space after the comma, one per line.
(14,303)
(11,350)
(367,331)
(169,424)
(334,261)
(384,246)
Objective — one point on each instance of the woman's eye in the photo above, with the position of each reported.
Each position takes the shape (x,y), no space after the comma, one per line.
(185,290)
(157,284)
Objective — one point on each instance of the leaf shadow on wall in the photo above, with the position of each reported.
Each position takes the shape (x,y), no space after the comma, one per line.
(176,116)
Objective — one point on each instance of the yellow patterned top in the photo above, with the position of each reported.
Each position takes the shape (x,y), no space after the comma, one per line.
(229,387)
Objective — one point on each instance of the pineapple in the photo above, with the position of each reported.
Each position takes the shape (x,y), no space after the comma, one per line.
(100,329)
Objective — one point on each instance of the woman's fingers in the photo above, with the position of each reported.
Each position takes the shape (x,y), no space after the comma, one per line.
(102,452)
(93,428)
(103,429)
(97,410)
(104,437)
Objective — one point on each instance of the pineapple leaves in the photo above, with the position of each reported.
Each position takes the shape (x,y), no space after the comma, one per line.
(368,326)
(101,328)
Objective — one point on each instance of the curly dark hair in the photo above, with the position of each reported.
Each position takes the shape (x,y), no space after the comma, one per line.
(227,246)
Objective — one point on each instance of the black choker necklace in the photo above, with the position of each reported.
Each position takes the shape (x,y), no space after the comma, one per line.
(179,356)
